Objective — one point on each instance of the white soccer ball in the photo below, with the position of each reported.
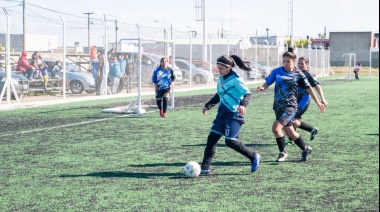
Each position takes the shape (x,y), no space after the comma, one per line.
(192,169)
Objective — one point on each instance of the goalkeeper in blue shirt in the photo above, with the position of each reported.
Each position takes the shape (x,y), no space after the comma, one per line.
(163,77)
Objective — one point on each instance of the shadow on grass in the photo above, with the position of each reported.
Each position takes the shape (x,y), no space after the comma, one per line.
(223,145)
(121,174)
(375,134)
(135,175)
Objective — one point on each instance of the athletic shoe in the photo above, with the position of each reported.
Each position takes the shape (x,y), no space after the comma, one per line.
(306,153)
(164,115)
(206,172)
(161,113)
(282,156)
(313,133)
(255,162)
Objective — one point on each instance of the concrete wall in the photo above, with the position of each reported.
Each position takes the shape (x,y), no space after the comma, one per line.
(357,43)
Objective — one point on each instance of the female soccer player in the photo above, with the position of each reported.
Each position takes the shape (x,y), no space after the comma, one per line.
(303,98)
(288,79)
(233,97)
(162,78)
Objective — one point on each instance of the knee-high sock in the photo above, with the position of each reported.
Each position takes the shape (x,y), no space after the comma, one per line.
(241,148)
(281,143)
(306,127)
(300,143)
(159,104)
(165,104)
(210,149)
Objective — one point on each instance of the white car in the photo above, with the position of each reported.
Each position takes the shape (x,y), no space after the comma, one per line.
(78,81)
(199,76)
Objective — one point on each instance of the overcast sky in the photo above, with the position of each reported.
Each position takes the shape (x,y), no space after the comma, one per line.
(237,17)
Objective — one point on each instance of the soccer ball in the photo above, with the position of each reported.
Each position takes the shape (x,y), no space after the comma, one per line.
(192,169)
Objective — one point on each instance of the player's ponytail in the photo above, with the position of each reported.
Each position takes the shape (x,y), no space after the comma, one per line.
(290,53)
(231,61)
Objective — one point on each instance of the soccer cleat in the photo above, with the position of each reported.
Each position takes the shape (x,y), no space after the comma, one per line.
(255,162)
(161,113)
(205,172)
(313,133)
(290,142)
(164,115)
(282,156)
(306,153)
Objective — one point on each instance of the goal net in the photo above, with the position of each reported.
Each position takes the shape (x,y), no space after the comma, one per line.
(142,58)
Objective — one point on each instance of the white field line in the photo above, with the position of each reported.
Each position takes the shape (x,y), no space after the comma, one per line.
(68,125)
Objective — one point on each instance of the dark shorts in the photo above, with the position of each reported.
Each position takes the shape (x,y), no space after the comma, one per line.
(229,128)
(161,93)
(303,105)
(285,118)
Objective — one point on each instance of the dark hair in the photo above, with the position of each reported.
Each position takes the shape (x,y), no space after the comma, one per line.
(359,64)
(290,53)
(305,59)
(164,58)
(232,60)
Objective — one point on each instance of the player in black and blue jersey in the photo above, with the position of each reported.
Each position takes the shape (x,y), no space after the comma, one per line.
(162,78)
(285,105)
(233,97)
(304,98)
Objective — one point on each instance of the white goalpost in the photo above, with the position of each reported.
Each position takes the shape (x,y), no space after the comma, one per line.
(147,53)
(349,63)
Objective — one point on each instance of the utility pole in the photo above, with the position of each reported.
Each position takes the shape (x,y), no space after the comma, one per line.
(116,28)
(88,28)
(23,24)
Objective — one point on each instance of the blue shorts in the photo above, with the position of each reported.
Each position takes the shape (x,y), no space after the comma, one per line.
(285,118)
(303,105)
(229,128)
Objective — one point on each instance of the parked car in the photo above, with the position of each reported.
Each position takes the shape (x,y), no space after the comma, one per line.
(199,76)
(19,81)
(206,66)
(77,81)
(177,71)
(148,64)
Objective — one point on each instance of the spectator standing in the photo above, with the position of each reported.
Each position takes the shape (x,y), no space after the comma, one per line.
(99,74)
(23,65)
(114,75)
(130,74)
(111,54)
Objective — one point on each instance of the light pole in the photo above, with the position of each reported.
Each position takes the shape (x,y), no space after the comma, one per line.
(222,35)
(88,28)
(165,32)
